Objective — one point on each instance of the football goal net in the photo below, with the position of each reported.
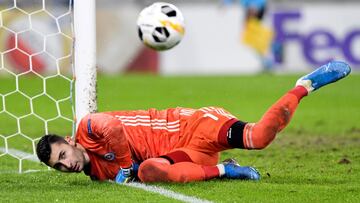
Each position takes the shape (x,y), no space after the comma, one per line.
(47,74)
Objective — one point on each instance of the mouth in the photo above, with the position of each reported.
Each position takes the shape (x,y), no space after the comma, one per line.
(76,167)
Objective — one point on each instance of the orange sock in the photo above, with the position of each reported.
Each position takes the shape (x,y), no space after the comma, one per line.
(259,135)
(160,170)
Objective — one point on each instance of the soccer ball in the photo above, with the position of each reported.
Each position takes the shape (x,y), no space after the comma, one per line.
(161,26)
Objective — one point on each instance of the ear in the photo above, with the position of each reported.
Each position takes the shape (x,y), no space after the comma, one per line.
(70,141)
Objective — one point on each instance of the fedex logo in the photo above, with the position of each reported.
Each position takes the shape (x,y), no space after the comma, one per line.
(318,40)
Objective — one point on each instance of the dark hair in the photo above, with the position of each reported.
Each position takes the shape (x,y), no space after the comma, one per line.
(43,147)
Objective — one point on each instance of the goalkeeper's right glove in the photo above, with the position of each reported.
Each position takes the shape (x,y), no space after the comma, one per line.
(126,175)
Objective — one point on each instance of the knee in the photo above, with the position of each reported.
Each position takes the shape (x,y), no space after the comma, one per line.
(153,170)
(260,136)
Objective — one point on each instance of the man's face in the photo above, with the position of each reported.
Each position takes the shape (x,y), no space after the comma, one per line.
(66,157)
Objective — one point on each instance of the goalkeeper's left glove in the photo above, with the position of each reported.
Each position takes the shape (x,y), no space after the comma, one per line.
(126,175)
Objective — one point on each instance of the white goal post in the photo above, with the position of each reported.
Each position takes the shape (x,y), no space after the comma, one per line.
(47,74)
(85,57)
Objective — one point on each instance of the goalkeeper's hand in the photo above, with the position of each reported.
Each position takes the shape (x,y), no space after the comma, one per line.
(126,175)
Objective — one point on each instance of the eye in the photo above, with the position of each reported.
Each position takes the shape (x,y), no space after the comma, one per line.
(62,155)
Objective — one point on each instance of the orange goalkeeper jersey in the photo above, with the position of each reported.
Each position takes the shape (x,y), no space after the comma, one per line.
(114,139)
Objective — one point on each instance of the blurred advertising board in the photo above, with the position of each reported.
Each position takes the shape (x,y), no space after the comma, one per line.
(308,34)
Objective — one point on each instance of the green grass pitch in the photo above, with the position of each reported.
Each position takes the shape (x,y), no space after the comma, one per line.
(315,159)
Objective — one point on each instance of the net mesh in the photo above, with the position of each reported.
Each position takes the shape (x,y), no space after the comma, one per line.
(36,78)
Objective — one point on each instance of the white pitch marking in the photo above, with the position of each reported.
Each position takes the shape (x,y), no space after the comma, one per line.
(20,154)
(167,193)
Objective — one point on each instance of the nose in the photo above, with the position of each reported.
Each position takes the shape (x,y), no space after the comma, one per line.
(66,163)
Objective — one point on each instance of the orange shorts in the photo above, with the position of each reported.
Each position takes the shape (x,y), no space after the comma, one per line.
(203,136)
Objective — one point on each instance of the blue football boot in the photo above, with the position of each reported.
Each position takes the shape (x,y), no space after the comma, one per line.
(234,171)
(326,74)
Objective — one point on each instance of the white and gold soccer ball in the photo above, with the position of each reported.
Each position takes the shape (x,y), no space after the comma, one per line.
(161,26)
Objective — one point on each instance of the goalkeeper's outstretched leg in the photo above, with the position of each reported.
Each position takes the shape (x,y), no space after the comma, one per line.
(260,134)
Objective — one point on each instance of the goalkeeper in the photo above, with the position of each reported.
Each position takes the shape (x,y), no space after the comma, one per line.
(176,144)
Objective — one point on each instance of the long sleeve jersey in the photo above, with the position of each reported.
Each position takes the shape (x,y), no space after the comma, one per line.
(114,139)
